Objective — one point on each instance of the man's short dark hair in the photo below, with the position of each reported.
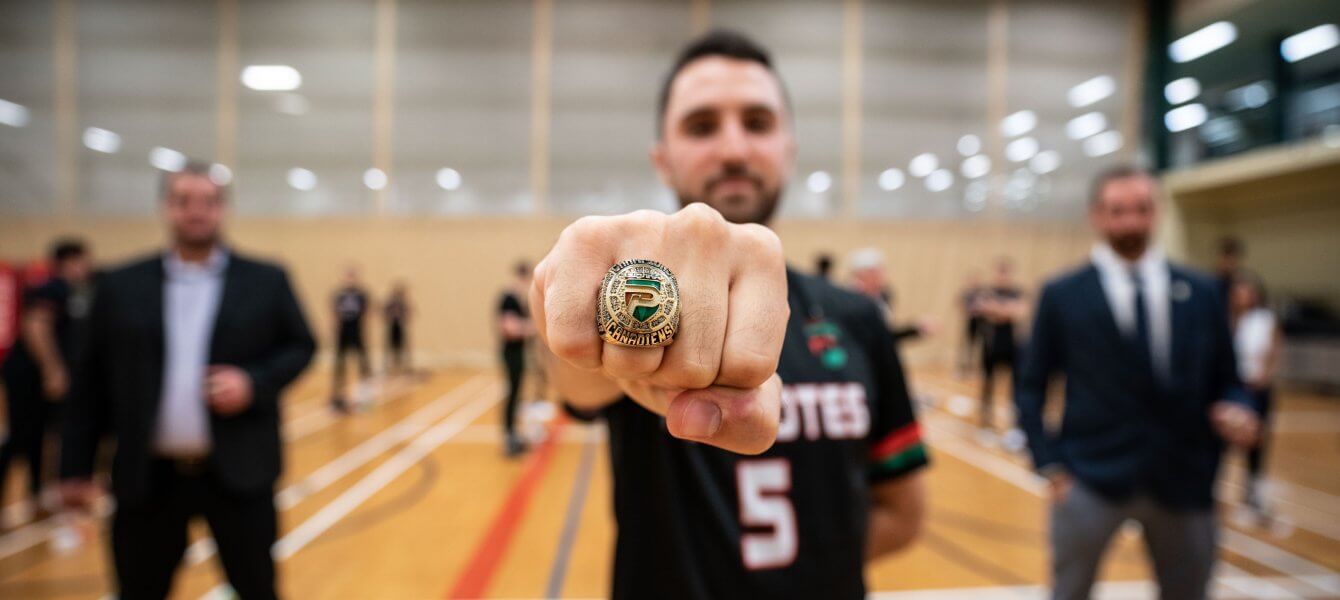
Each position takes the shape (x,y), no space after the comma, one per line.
(1111,174)
(717,42)
(1230,246)
(194,168)
(67,248)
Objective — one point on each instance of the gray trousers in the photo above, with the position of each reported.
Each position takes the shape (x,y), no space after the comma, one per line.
(1182,545)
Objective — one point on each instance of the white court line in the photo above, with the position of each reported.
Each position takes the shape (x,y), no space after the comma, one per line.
(492,434)
(203,548)
(373,482)
(1269,555)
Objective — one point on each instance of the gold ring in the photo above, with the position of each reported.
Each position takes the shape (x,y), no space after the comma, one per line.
(638,305)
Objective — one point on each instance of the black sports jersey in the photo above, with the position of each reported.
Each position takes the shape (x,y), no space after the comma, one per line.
(511,304)
(695,521)
(1000,340)
(57,297)
(350,304)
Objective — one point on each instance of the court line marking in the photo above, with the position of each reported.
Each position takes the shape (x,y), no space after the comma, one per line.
(1238,543)
(572,520)
(492,547)
(37,532)
(334,470)
(386,473)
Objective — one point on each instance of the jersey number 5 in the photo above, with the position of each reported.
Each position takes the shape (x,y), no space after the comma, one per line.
(763,486)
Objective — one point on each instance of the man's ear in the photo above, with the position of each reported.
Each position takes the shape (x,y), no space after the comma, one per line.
(660,162)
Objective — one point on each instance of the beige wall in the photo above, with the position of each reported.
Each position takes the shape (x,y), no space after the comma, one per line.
(456,268)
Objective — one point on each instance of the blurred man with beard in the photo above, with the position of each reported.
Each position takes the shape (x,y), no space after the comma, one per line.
(188,352)
(1151,395)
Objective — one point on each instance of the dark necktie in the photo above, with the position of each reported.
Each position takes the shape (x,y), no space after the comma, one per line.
(1142,320)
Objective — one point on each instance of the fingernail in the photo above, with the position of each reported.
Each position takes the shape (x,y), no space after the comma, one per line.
(702,419)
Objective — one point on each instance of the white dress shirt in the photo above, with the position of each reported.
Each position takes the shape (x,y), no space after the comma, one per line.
(1116,274)
(191,294)
(1252,338)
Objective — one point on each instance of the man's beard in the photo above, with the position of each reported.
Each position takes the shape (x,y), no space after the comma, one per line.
(738,208)
(1130,245)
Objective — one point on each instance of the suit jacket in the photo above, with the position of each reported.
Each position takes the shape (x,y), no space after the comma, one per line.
(117,385)
(1123,430)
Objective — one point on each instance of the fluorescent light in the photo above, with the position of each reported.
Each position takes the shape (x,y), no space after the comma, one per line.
(449,179)
(220,174)
(819,182)
(14,115)
(1085,125)
(1091,91)
(1045,162)
(1313,41)
(891,179)
(1183,118)
(1018,123)
(1021,149)
(923,164)
(1102,144)
(271,78)
(101,140)
(1252,95)
(375,178)
(1203,41)
(1181,90)
(939,180)
(301,179)
(166,159)
(975,166)
(969,145)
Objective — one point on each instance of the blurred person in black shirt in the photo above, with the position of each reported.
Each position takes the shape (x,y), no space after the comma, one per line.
(351,305)
(396,312)
(37,372)
(514,327)
(1001,307)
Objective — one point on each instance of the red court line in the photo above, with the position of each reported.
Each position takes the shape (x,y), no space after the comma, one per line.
(493,546)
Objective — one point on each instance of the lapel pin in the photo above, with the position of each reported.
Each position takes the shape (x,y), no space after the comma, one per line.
(1180,291)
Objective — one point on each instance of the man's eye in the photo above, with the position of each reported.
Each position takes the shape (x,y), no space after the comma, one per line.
(758,124)
(700,128)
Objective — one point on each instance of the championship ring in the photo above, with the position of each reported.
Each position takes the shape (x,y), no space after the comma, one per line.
(638,305)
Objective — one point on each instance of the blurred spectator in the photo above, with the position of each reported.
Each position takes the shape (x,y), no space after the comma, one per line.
(1151,393)
(868,278)
(351,305)
(1227,265)
(1256,340)
(36,373)
(1000,307)
(188,351)
(514,327)
(969,300)
(397,312)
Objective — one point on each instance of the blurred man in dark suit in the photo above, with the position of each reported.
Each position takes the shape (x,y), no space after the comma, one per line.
(187,354)
(1151,394)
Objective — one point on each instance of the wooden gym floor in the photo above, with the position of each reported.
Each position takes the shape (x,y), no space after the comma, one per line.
(412,498)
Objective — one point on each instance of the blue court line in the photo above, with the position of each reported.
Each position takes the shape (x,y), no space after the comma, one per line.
(570,521)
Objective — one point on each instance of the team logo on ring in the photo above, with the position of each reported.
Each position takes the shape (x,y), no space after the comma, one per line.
(638,305)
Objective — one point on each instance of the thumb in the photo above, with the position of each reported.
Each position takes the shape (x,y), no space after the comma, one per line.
(742,421)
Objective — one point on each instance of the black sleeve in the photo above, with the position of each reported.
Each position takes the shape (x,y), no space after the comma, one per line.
(86,417)
(896,448)
(49,295)
(293,350)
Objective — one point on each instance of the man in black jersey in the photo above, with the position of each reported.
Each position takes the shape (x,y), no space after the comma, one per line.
(351,304)
(771,449)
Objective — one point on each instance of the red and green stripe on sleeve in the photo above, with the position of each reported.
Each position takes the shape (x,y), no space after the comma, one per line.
(898,452)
